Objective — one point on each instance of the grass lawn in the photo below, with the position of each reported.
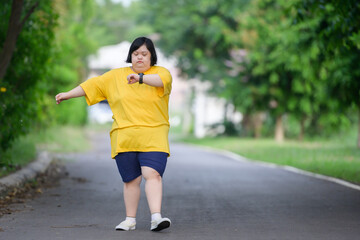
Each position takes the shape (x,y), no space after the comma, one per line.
(336,158)
(55,139)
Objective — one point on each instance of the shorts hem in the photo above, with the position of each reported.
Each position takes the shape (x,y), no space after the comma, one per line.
(130,179)
(161,175)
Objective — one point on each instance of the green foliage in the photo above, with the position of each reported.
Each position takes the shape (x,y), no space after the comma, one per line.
(73,112)
(336,35)
(50,57)
(113,23)
(21,152)
(195,32)
(74,41)
(22,88)
(282,66)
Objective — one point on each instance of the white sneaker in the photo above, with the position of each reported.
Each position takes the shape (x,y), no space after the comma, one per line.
(126,226)
(158,225)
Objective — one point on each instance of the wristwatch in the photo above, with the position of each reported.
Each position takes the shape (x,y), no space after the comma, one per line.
(141,78)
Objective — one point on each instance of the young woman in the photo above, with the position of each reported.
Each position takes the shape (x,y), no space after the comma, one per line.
(138,97)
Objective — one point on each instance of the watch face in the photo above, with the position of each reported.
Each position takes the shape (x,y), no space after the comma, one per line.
(141,78)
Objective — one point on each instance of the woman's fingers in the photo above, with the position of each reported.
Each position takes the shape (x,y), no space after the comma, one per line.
(132,78)
(59,98)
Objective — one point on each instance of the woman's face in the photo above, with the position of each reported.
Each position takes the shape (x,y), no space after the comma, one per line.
(141,58)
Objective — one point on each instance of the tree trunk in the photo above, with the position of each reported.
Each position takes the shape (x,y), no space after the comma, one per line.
(302,129)
(245,125)
(225,119)
(13,31)
(258,123)
(188,115)
(279,129)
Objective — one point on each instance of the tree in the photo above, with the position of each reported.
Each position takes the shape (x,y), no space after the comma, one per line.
(15,26)
(284,71)
(261,31)
(339,33)
(22,86)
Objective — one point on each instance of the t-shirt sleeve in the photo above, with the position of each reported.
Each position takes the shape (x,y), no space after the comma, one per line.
(166,78)
(96,88)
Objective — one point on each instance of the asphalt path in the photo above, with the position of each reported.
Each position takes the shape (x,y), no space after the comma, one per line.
(206,195)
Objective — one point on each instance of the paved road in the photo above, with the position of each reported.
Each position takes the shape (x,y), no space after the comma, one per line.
(206,195)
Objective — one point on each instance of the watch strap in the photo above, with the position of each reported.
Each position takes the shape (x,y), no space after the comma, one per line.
(141,78)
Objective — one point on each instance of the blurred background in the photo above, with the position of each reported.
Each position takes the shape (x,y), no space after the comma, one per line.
(277,71)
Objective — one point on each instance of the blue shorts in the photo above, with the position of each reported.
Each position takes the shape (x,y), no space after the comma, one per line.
(130,163)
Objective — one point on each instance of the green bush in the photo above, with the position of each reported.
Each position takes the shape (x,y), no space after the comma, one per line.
(72,112)
(21,89)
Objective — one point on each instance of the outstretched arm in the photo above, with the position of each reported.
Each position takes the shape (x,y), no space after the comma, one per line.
(76,92)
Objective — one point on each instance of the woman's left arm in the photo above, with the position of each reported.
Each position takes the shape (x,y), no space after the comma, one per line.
(153,80)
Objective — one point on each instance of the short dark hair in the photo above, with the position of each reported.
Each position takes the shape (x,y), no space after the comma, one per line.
(149,45)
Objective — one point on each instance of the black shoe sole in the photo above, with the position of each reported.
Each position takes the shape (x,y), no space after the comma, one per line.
(161,226)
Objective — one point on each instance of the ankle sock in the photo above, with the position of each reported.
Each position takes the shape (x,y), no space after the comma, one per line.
(131,219)
(155,216)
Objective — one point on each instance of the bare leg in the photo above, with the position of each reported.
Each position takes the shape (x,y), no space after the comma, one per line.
(132,196)
(153,188)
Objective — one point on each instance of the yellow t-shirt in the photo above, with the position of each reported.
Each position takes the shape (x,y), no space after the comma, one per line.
(140,111)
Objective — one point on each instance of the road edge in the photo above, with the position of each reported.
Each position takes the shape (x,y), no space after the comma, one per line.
(29,172)
(240,158)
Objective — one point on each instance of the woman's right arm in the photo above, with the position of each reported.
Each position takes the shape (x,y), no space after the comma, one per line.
(76,92)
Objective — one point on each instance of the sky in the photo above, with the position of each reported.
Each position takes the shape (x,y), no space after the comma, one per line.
(126,3)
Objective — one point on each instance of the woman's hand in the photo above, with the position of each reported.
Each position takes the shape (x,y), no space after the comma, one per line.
(133,78)
(61,97)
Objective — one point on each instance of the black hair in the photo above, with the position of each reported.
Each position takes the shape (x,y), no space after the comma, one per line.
(138,42)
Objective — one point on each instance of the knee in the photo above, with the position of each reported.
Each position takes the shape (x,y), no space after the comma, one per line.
(150,174)
(155,177)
